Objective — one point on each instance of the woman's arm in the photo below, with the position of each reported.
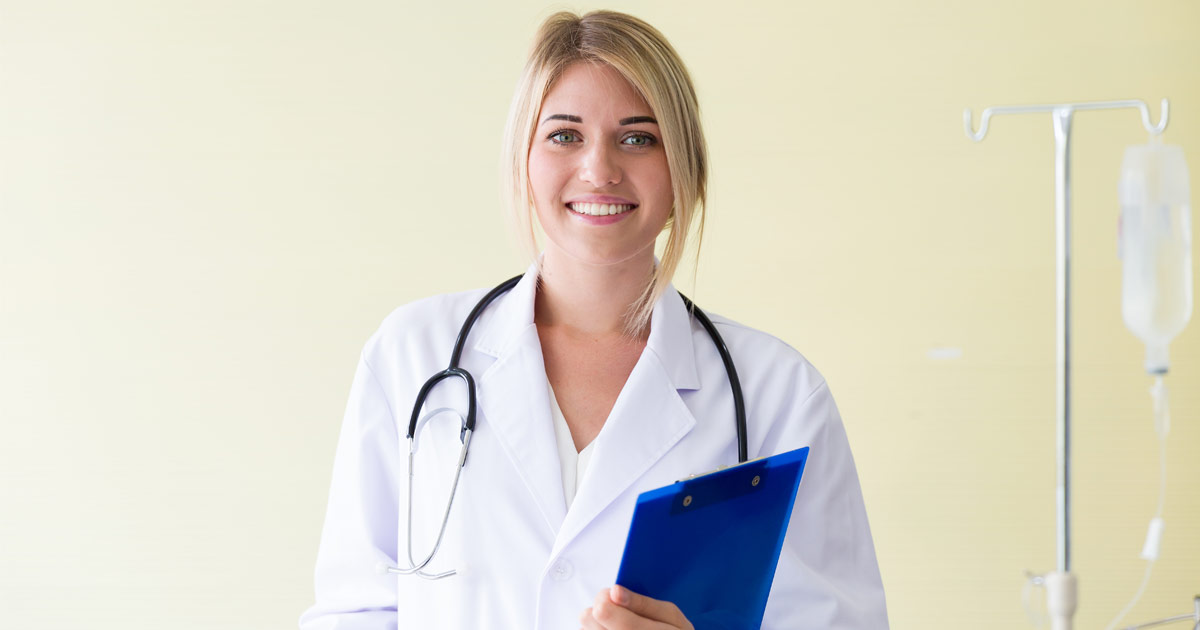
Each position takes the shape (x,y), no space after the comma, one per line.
(827,576)
(362,517)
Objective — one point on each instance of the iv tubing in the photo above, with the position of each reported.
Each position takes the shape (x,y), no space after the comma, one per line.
(1162,426)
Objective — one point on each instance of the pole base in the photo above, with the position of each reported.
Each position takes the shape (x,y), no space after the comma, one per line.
(1062,598)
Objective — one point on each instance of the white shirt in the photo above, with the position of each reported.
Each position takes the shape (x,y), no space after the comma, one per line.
(574,464)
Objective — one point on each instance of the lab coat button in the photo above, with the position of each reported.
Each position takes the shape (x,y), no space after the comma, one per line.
(562,571)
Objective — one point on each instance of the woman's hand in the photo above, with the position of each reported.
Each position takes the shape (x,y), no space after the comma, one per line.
(619,608)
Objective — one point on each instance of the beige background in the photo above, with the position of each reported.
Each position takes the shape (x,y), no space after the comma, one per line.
(207,207)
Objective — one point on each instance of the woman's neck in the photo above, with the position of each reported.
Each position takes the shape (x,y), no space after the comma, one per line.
(589,299)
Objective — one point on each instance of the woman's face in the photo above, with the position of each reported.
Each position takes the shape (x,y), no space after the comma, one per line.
(598,169)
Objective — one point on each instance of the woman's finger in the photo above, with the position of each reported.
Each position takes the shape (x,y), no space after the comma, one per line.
(588,622)
(613,610)
(611,616)
(649,608)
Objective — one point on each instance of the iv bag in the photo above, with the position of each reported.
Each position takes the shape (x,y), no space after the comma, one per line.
(1155,247)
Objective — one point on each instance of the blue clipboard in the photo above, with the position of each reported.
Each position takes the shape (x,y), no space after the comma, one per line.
(710,543)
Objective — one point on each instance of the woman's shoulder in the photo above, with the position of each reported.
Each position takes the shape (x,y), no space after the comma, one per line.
(435,310)
(425,323)
(767,361)
(788,400)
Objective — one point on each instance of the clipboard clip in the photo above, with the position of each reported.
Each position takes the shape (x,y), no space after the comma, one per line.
(720,469)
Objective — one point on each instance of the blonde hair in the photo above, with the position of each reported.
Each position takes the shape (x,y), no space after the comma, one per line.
(644,57)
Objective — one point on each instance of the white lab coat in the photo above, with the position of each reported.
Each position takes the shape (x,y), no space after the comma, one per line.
(525,561)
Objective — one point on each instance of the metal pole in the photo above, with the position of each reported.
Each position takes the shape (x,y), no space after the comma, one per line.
(1062,363)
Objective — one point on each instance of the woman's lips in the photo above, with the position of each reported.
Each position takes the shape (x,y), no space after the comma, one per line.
(594,198)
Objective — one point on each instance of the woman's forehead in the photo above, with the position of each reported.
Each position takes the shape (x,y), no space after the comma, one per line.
(595,88)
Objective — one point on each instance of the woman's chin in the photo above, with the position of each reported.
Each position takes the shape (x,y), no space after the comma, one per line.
(599,254)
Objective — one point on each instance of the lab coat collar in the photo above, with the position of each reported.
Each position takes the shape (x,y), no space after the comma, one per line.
(671,340)
(648,418)
(510,314)
(670,329)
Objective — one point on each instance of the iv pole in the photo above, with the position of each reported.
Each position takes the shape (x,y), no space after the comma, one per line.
(1061,587)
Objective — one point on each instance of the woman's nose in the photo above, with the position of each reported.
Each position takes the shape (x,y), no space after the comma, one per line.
(600,166)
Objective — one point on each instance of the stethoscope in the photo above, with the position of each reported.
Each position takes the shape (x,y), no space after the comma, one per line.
(468,422)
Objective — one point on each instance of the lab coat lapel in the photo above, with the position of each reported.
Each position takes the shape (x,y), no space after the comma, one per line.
(515,401)
(648,418)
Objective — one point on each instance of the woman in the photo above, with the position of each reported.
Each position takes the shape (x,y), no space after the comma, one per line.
(594,385)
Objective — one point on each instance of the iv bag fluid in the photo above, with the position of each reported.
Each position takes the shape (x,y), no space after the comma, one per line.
(1155,246)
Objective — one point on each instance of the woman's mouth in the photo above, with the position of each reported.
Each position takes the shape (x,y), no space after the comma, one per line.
(600,209)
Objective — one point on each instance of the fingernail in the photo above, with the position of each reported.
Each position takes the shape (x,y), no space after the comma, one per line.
(619,595)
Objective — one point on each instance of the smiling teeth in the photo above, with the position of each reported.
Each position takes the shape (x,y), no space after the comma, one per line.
(600,209)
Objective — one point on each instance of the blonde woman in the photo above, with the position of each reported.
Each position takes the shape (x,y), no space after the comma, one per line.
(593,383)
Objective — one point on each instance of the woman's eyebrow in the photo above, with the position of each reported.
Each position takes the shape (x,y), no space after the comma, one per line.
(566,117)
(632,120)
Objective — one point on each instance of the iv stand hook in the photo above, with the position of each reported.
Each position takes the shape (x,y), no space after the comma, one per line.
(985,118)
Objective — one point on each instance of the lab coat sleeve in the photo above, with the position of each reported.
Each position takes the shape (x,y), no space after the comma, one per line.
(833,579)
(361,518)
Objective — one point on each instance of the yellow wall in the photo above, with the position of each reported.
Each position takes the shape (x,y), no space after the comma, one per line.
(206,208)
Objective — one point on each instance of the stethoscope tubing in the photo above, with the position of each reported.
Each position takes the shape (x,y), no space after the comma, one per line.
(739,405)
(735,384)
(468,422)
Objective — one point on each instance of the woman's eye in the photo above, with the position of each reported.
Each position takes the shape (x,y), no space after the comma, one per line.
(639,140)
(564,137)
